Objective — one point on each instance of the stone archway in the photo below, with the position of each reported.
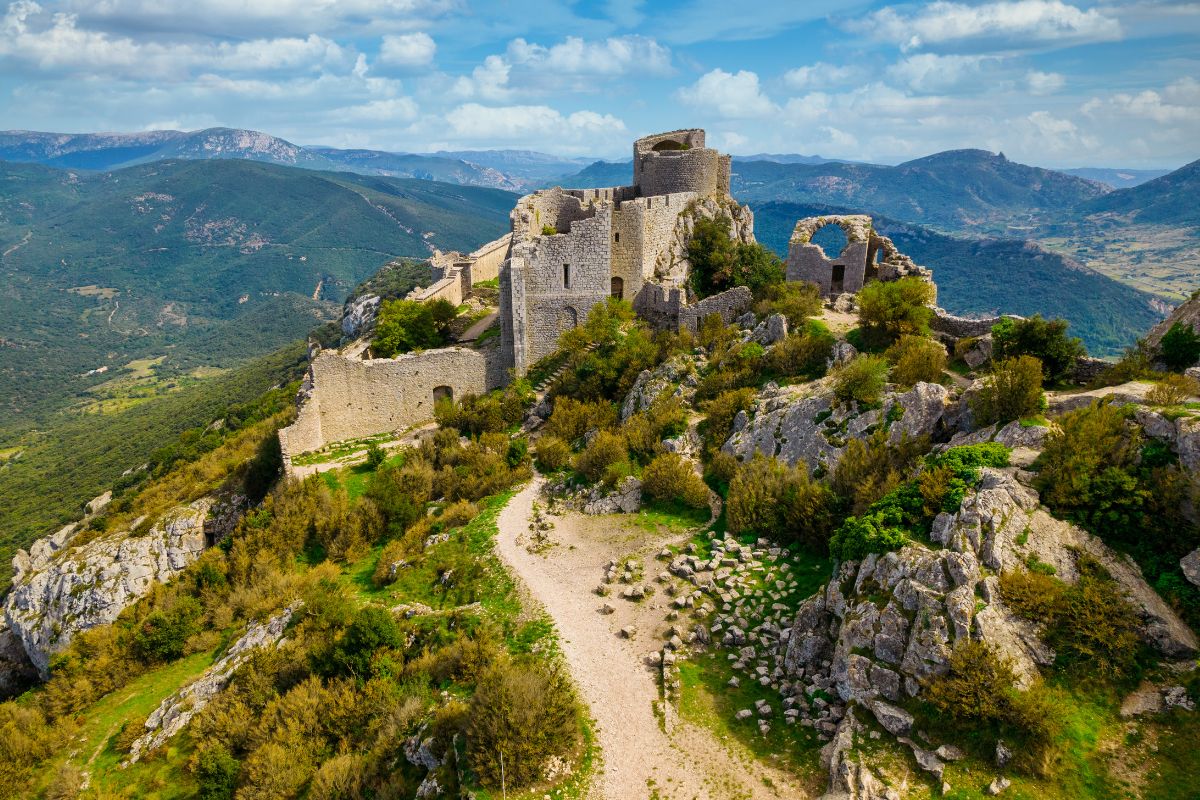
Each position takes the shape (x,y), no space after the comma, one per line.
(618,288)
(568,318)
(441,393)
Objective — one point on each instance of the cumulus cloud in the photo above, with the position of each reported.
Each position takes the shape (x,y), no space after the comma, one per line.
(1178,102)
(734,95)
(1015,23)
(488,81)
(929,72)
(1043,83)
(407,49)
(526,125)
(613,56)
(57,43)
(820,74)
(395,109)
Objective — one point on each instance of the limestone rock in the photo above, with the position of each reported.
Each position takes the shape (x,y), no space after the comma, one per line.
(666,378)
(979,353)
(997,786)
(16,670)
(60,590)
(895,721)
(175,712)
(358,315)
(1190,564)
(771,330)
(626,498)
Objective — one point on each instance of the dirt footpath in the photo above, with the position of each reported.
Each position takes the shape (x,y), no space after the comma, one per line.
(640,758)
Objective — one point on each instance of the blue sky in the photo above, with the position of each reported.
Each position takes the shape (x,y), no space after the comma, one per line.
(1047,82)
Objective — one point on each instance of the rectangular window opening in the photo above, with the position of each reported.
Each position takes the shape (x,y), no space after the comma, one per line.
(566,276)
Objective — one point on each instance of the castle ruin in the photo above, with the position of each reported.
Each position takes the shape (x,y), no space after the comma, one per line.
(569,250)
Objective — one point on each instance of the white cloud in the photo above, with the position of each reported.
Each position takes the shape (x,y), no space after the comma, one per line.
(1178,102)
(730,95)
(820,74)
(395,109)
(56,43)
(1049,135)
(929,72)
(612,56)
(1043,83)
(407,49)
(534,126)
(1015,23)
(488,81)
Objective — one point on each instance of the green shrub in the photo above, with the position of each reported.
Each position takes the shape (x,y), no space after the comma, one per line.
(163,634)
(216,773)
(978,694)
(1032,595)
(406,325)
(796,300)
(373,628)
(375,457)
(604,451)
(769,498)
(1045,340)
(1172,390)
(549,230)
(862,379)
(670,477)
(888,310)
(1012,391)
(552,453)
(1095,633)
(915,359)
(572,419)
(720,413)
(871,468)
(804,353)
(719,263)
(523,712)
(644,431)
(496,411)
(1179,347)
(874,532)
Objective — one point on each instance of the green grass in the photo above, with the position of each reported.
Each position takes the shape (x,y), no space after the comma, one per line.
(158,777)
(354,479)
(340,450)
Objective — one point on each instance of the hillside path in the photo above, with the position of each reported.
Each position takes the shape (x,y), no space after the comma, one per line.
(640,758)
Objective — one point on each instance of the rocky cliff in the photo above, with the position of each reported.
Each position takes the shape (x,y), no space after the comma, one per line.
(61,588)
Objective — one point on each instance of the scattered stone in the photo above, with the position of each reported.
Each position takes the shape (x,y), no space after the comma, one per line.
(1003,755)
(628,632)
(744,714)
(607,609)
(997,786)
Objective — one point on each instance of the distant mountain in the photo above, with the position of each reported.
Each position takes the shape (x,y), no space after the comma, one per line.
(109,151)
(1117,178)
(1170,199)
(988,275)
(206,262)
(793,158)
(958,190)
(524,166)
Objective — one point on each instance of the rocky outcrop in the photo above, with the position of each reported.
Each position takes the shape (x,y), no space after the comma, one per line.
(60,589)
(358,315)
(1190,564)
(672,265)
(174,713)
(1187,314)
(888,623)
(805,424)
(676,376)
(1132,392)
(16,670)
(1182,434)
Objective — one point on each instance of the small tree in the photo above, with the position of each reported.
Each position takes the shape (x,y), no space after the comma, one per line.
(796,300)
(1173,390)
(718,262)
(888,310)
(1180,347)
(375,457)
(406,325)
(915,359)
(1012,391)
(1045,340)
(862,379)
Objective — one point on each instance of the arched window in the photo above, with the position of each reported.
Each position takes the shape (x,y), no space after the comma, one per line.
(442,393)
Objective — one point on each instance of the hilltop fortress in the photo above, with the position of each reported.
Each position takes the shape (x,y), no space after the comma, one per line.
(568,250)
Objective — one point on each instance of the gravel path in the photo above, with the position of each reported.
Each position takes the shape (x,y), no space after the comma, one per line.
(640,758)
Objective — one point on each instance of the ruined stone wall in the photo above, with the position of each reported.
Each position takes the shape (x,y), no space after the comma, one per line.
(961,327)
(730,304)
(351,398)
(554,207)
(485,262)
(449,288)
(660,305)
(643,231)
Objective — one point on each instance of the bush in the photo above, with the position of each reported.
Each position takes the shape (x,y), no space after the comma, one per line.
(216,773)
(524,712)
(862,379)
(1179,347)
(719,263)
(670,477)
(1095,633)
(1033,595)
(406,325)
(1013,390)
(1045,340)
(644,431)
(572,419)
(375,457)
(163,634)
(980,689)
(769,498)
(552,453)
(874,532)
(915,359)
(372,629)
(888,310)
(796,300)
(1173,390)
(605,450)
(493,412)
(805,353)
(391,560)
(720,413)
(871,468)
